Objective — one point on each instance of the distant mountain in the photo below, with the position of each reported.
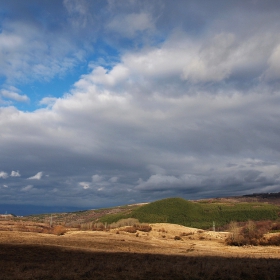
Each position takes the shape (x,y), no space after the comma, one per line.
(272,198)
(264,195)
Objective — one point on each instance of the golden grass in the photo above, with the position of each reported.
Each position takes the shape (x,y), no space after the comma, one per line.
(107,255)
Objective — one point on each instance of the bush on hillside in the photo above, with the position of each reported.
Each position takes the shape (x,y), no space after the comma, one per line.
(98,226)
(251,233)
(124,223)
(138,227)
(130,229)
(143,227)
(274,241)
(58,230)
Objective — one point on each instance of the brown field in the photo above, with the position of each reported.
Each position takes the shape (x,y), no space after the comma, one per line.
(116,254)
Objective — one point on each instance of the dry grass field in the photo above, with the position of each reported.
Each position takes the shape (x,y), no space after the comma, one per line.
(166,252)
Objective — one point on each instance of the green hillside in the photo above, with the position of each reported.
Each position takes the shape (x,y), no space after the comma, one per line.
(171,210)
(198,214)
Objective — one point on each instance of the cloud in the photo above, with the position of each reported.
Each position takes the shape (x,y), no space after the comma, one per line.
(38,176)
(15,174)
(14,95)
(159,182)
(49,101)
(28,55)
(96,178)
(128,25)
(150,136)
(103,77)
(78,12)
(114,179)
(85,185)
(144,100)
(273,71)
(27,188)
(212,59)
(5,186)
(4,175)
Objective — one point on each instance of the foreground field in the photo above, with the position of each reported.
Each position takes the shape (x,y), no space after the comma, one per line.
(120,255)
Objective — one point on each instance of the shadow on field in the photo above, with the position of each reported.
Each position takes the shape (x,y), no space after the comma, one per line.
(46,262)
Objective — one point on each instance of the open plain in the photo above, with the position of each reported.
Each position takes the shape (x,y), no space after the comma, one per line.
(166,252)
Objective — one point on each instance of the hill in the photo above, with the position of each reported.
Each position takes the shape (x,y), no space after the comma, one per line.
(170,210)
(198,214)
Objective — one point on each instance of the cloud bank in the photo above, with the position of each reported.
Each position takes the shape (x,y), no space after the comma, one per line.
(175,104)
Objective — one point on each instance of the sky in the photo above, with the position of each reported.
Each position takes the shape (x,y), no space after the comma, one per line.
(113,102)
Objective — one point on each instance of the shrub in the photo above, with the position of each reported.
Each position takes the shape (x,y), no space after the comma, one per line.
(124,223)
(86,226)
(130,229)
(186,233)
(235,238)
(58,230)
(274,240)
(275,226)
(177,237)
(98,227)
(250,234)
(134,228)
(143,227)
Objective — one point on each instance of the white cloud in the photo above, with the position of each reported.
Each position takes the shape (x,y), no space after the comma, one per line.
(114,179)
(3,175)
(15,174)
(102,76)
(27,54)
(14,95)
(49,101)
(27,188)
(211,59)
(85,185)
(38,176)
(5,186)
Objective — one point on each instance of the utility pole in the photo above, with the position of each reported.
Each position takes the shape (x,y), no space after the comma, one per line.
(51,221)
(214,229)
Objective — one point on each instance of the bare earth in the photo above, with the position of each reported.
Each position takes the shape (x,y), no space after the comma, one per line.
(120,255)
